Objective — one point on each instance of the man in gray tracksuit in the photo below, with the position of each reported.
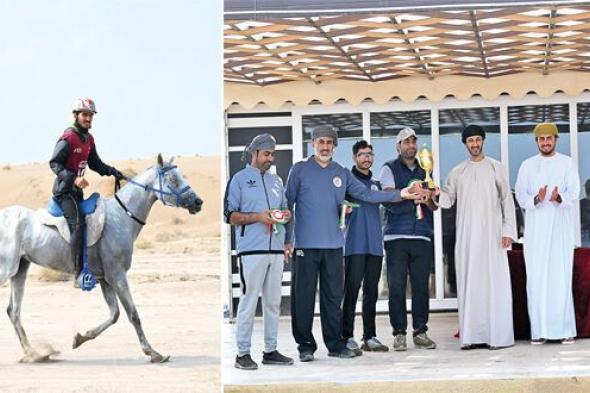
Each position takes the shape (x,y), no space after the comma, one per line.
(251,195)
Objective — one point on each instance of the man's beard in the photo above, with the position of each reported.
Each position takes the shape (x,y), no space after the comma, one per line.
(409,156)
(324,158)
(475,151)
(548,153)
(365,166)
(80,126)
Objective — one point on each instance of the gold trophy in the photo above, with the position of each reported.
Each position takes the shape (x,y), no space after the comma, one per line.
(426,162)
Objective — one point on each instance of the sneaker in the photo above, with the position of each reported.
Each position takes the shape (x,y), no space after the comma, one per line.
(374,345)
(344,354)
(399,342)
(568,340)
(421,340)
(353,346)
(276,358)
(305,357)
(538,341)
(245,362)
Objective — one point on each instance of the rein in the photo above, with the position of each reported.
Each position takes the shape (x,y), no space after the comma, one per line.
(127,211)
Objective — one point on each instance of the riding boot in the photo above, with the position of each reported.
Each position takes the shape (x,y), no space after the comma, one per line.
(70,204)
(76,250)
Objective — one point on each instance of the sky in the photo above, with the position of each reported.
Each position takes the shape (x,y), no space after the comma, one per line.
(153,68)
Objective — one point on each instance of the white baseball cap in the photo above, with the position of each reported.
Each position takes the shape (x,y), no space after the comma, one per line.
(404,134)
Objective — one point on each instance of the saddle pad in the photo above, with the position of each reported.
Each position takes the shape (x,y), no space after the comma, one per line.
(94,223)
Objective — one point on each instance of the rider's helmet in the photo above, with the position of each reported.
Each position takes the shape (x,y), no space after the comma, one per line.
(84,105)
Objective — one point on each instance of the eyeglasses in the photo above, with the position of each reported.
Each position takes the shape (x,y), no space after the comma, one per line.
(365,155)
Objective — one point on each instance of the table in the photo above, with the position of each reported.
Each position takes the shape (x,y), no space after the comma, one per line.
(580,287)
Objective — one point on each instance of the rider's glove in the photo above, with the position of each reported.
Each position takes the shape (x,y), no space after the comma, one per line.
(118,175)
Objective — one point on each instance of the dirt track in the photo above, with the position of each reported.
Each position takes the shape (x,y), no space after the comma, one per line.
(178,298)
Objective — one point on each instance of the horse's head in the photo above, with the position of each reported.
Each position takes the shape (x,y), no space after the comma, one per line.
(173,188)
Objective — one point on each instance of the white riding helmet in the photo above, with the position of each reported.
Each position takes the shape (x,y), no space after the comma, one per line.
(84,105)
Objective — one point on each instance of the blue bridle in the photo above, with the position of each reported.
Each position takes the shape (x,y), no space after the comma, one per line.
(160,192)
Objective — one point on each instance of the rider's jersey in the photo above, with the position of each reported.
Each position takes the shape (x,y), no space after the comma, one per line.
(74,151)
(78,151)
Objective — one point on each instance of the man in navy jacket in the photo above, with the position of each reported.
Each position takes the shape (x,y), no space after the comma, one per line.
(408,245)
(363,255)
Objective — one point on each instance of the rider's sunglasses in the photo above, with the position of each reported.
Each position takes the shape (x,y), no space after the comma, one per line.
(365,155)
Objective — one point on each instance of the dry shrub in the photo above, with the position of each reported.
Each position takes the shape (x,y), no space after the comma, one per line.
(6,167)
(50,275)
(177,221)
(143,244)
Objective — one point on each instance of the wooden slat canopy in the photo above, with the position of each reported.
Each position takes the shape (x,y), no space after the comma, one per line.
(433,43)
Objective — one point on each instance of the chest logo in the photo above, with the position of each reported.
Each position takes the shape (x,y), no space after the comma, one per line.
(251,183)
(337,181)
(78,150)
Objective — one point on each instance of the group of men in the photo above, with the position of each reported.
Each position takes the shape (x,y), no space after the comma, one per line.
(304,221)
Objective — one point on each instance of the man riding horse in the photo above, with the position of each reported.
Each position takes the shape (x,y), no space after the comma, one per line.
(75,150)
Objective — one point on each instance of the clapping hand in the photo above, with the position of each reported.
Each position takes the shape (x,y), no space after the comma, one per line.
(542,193)
(555,197)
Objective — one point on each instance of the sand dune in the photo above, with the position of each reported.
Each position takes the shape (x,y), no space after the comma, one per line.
(168,230)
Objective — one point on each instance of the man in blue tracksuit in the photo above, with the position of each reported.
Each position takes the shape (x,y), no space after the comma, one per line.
(251,195)
(408,246)
(315,191)
(363,256)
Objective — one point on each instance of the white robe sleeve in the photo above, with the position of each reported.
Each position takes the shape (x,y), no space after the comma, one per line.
(507,203)
(448,193)
(524,194)
(571,194)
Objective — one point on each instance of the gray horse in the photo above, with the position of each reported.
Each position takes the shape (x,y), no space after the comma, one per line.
(24,240)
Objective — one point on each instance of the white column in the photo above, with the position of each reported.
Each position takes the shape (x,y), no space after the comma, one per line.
(297,129)
(504,138)
(367,125)
(226,284)
(573,112)
(438,250)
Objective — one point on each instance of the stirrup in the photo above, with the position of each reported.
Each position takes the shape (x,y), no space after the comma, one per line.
(86,280)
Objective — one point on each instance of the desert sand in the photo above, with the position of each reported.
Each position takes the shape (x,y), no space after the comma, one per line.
(174,279)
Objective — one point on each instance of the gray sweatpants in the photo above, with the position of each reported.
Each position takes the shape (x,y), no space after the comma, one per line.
(260,274)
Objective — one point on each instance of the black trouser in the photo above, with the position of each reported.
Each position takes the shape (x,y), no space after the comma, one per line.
(308,264)
(70,203)
(415,255)
(363,268)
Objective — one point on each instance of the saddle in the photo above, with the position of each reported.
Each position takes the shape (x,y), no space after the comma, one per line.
(93,208)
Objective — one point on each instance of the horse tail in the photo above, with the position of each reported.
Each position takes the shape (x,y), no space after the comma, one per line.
(12,228)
